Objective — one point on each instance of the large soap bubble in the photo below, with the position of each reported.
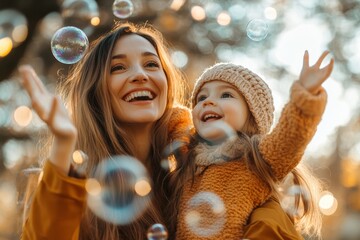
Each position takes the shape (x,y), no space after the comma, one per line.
(69,44)
(120,190)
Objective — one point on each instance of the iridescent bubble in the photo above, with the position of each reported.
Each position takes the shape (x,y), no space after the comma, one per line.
(120,190)
(69,44)
(157,232)
(122,8)
(257,30)
(205,215)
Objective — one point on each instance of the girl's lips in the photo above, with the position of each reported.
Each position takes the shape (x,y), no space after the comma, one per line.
(210,116)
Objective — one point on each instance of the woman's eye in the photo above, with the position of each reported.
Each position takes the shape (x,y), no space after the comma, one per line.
(117,68)
(152,64)
(226,95)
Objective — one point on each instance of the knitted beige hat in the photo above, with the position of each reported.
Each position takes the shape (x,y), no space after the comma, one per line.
(255,91)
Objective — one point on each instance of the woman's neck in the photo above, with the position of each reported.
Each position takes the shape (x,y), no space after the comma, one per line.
(140,136)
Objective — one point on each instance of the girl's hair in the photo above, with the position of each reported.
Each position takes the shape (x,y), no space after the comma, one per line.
(85,93)
(309,222)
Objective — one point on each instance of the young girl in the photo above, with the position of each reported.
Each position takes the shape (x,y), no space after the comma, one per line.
(121,99)
(241,172)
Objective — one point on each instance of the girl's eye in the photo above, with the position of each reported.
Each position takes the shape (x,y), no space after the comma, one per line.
(117,68)
(201,98)
(226,95)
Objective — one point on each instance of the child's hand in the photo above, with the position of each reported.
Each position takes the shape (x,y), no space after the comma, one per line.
(312,77)
(49,107)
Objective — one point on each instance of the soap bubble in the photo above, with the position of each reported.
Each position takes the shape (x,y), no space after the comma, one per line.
(257,30)
(157,232)
(205,215)
(122,8)
(120,190)
(69,44)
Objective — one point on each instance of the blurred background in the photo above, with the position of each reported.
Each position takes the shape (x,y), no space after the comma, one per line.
(267,36)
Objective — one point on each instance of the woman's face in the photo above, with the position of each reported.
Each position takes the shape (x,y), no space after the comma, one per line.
(137,84)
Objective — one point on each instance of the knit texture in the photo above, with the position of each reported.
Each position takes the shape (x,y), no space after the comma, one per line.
(237,187)
(254,89)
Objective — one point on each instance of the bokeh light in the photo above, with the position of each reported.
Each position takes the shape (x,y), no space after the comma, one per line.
(23,116)
(198,13)
(6,45)
(328,203)
(13,25)
(81,14)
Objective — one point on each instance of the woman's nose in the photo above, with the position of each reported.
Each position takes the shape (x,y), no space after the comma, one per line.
(139,75)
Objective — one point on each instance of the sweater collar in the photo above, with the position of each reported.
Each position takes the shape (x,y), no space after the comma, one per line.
(207,154)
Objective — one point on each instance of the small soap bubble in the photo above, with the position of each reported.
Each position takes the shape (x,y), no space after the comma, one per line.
(205,214)
(120,190)
(69,44)
(122,8)
(257,29)
(157,232)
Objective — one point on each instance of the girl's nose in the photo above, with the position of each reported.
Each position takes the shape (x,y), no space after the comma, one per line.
(209,102)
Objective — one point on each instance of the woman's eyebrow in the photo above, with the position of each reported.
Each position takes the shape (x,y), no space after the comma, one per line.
(144,54)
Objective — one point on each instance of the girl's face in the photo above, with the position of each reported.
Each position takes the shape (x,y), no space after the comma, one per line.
(137,84)
(217,103)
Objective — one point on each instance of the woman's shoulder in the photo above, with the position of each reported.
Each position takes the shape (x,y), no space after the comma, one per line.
(269,221)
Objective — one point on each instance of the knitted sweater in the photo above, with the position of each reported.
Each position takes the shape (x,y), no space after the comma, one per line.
(230,189)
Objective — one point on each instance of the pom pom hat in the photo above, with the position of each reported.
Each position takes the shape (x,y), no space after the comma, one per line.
(255,91)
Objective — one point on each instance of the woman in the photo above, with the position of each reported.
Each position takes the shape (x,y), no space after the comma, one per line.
(121,99)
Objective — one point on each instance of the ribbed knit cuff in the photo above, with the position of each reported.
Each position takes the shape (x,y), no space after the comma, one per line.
(59,183)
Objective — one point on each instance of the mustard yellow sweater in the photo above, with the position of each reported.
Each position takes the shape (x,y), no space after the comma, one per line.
(60,201)
(231,188)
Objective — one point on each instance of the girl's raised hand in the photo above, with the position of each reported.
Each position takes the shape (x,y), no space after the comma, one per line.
(52,111)
(311,77)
